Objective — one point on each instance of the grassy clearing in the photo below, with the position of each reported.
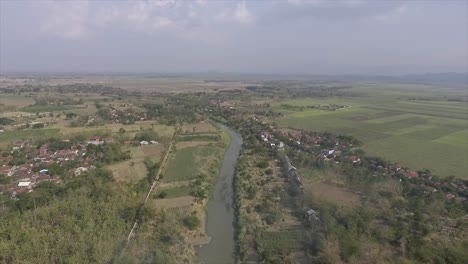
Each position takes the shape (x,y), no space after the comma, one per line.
(281,241)
(196,156)
(202,127)
(162,130)
(153,152)
(182,165)
(324,191)
(188,144)
(84,131)
(16,100)
(48,108)
(128,171)
(173,192)
(8,137)
(188,162)
(199,137)
(183,203)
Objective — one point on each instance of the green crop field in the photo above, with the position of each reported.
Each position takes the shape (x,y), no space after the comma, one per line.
(48,108)
(177,191)
(9,137)
(181,165)
(418,134)
(288,241)
(187,163)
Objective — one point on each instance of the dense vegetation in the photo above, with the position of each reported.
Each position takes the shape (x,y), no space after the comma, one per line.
(82,221)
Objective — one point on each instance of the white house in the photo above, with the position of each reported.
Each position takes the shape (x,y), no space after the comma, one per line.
(24,184)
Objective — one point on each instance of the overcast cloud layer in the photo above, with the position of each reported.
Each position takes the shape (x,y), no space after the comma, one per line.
(305,37)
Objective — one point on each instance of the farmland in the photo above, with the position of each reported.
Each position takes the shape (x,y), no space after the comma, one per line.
(187,162)
(419,134)
(47,108)
(9,137)
(134,168)
(273,222)
(327,192)
(12,102)
(195,153)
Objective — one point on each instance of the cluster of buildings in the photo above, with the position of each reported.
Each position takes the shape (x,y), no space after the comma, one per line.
(338,150)
(125,115)
(36,164)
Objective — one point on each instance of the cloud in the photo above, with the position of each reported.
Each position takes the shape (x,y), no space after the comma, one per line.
(161,22)
(67,19)
(79,19)
(329,10)
(240,14)
(393,14)
(74,20)
(201,2)
(303,2)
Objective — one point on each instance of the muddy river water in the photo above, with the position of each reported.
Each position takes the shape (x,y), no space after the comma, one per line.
(220,219)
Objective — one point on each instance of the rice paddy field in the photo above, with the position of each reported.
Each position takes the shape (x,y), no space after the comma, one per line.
(416,133)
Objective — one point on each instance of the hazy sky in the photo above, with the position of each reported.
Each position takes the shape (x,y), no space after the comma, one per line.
(312,37)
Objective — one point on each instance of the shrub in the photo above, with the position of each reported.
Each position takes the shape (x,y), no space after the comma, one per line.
(191,222)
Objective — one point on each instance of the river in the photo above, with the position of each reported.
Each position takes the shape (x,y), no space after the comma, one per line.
(220,218)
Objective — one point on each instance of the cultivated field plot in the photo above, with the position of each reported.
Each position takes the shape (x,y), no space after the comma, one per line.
(173,192)
(135,169)
(128,171)
(84,131)
(195,154)
(180,203)
(185,163)
(282,241)
(162,130)
(189,144)
(16,100)
(327,192)
(49,108)
(202,127)
(418,134)
(9,137)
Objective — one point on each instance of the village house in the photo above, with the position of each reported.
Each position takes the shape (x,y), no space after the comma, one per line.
(5,169)
(354,159)
(19,144)
(80,170)
(312,214)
